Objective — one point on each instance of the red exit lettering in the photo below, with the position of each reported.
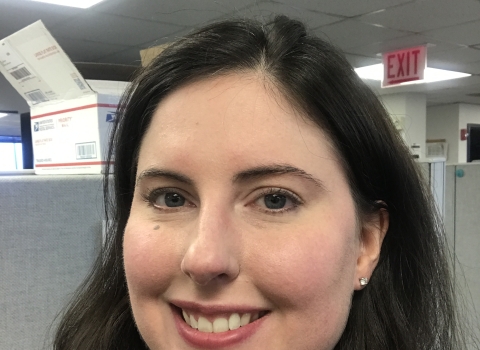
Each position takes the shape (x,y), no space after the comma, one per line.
(403,66)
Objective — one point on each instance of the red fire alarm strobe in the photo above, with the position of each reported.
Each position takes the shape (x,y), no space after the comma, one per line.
(404,65)
(463,134)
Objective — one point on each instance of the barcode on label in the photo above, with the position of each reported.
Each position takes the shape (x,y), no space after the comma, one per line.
(86,150)
(20,73)
(79,83)
(36,96)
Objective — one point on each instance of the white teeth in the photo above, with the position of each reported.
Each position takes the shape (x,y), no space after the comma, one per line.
(234,322)
(186,317)
(204,325)
(245,320)
(193,322)
(220,325)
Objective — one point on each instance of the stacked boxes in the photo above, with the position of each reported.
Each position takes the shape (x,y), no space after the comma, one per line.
(70,117)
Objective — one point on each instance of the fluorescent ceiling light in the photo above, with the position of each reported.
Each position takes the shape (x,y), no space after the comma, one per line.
(83,4)
(375,72)
(3,115)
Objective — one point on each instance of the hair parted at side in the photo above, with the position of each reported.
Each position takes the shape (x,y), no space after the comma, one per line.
(409,301)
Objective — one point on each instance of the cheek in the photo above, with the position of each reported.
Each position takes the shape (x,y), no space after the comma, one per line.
(150,258)
(312,265)
(307,274)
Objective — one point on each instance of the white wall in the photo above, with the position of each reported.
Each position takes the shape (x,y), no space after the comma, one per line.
(442,123)
(468,114)
(413,108)
(416,121)
(445,122)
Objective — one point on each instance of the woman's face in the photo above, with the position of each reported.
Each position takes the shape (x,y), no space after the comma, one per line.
(242,222)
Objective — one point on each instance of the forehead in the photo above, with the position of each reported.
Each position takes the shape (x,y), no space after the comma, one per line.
(229,120)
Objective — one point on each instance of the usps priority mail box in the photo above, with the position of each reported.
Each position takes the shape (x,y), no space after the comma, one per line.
(70,117)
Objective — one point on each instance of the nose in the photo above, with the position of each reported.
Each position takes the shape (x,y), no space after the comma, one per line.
(211,256)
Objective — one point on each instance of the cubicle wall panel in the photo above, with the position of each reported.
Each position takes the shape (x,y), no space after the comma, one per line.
(50,233)
(449,218)
(467,237)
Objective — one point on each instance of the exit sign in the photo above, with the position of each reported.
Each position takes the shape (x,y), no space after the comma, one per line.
(404,65)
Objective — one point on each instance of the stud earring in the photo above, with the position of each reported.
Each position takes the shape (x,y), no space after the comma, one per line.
(363,281)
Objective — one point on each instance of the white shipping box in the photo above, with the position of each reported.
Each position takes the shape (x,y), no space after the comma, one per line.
(70,117)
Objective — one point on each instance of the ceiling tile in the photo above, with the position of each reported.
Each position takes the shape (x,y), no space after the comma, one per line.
(345,8)
(458,93)
(311,18)
(420,16)
(15,15)
(376,49)
(452,57)
(179,12)
(119,7)
(352,33)
(112,29)
(87,51)
(129,56)
(442,99)
(454,66)
(466,33)
(472,68)
(165,39)
(461,85)
(448,97)
(474,100)
(185,17)
(361,61)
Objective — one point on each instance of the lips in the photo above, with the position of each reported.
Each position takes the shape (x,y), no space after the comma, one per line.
(222,323)
(217,326)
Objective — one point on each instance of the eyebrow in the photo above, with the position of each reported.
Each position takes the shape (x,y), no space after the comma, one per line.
(275,169)
(153,173)
(243,176)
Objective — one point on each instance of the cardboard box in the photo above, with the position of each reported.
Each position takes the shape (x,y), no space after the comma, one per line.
(147,55)
(70,117)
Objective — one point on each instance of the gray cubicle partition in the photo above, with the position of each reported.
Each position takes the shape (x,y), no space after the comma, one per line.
(463,222)
(50,233)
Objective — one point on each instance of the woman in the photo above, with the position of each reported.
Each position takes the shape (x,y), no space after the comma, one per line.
(263,200)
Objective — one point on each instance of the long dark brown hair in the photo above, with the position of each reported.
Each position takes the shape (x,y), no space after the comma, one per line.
(409,303)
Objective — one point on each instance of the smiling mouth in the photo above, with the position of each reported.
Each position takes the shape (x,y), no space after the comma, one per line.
(224,323)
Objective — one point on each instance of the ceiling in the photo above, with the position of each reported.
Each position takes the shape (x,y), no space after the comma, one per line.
(116,30)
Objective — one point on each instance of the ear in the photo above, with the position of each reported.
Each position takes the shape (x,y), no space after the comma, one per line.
(372,233)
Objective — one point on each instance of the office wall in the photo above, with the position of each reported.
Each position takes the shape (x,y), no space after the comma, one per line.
(445,122)
(415,121)
(442,123)
(412,108)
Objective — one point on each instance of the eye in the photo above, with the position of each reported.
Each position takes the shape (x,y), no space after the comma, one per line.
(167,198)
(277,200)
(170,199)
